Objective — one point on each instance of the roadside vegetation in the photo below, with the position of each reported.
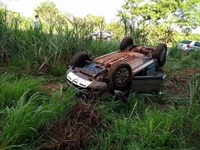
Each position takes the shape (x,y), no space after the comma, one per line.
(38,110)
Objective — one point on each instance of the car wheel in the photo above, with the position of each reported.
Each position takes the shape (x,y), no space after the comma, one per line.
(108,38)
(94,37)
(160,54)
(79,58)
(126,43)
(120,74)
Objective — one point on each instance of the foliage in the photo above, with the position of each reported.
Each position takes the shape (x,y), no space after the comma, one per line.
(169,121)
(117,30)
(49,13)
(97,21)
(41,50)
(194,36)
(5,34)
(17,84)
(167,15)
(134,29)
(174,52)
(24,110)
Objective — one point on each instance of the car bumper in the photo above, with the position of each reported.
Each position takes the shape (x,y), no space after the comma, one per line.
(89,89)
(102,90)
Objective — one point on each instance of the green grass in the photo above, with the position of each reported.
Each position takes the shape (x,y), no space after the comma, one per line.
(136,125)
(32,58)
(25,110)
(43,49)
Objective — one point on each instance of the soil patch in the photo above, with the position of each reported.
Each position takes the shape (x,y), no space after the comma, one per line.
(178,82)
(75,130)
(52,86)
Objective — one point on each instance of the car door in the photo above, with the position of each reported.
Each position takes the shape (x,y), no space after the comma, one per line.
(197,45)
(148,81)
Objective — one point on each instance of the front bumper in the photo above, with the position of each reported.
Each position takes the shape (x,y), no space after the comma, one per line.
(88,88)
(93,89)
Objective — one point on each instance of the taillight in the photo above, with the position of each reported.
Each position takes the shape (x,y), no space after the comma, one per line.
(188,45)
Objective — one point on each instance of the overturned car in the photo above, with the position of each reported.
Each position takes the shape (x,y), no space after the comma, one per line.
(132,68)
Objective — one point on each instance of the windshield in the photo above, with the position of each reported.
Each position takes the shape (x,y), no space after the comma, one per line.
(186,41)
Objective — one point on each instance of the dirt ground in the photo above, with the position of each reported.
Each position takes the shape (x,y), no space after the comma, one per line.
(75,129)
(178,83)
(52,86)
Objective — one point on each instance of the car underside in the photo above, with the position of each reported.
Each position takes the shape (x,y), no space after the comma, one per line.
(130,69)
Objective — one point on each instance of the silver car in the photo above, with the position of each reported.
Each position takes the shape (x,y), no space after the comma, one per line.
(132,68)
(104,34)
(189,45)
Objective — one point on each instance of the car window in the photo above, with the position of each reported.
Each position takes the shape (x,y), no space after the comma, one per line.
(186,41)
(197,44)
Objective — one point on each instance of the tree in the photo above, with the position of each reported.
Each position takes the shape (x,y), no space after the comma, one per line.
(98,22)
(48,12)
(116,28)
(172,14)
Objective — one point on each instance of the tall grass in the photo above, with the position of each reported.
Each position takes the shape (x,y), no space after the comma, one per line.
(38,50)
(136,124)
(6,42)
(149,125)
(152,128)
(13,86)
(24,111)
(135,30)
(174,52)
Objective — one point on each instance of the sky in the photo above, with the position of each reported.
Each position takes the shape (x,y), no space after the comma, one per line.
(78,8)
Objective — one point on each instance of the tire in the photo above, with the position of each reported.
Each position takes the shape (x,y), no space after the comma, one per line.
(120,75)
(94,37)
(79,58)
(108,38)
(160,54)
(127,42)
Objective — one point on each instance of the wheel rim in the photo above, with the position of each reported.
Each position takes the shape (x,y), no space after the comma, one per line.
(162,55)
(122,75)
